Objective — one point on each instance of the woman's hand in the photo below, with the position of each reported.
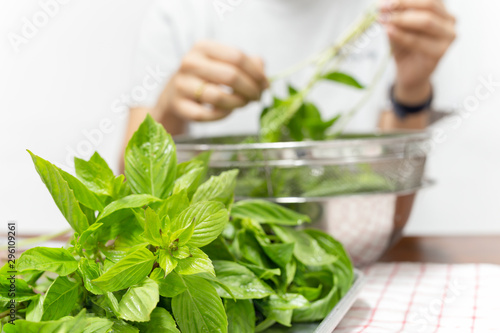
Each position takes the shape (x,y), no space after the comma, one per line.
(212,81)
(420,32)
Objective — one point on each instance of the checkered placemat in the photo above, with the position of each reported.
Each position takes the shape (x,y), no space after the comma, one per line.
(407,297)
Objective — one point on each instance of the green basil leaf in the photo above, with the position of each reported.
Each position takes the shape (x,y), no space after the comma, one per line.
(115,255)
(285,302)
(217,283)
(121,187)
(307,250)
(317,128)
(209,217)
(273,121)
(198,262)
(319,309)
(218,188)
(241,281)
(281,254)
(89,270)
(127,272)
(200,161)
(292,90)
(62,194)
(182,252)
(150,160)
(88,239)
(188,166)
(120,326)
(283,317)
(240,316)
(139,301)
(31,277)
(199,308)
(169,286)
(59,299)
(280,308)
(166,261)
(289,272)
(311,112)
(296,125)
(34,311)
(152,228)
(218,250)
(161,321)
(343,79)
(189,181)
(310,293)
(262,272)
(82,193)
(58,261)
(267,212)
(132,201)
(97,325)
(343,268)
(173,205)
(23,292)
(64,325)
(247,247)
(183,236)
(96,175)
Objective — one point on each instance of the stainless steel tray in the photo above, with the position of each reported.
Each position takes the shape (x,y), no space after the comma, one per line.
(334,318)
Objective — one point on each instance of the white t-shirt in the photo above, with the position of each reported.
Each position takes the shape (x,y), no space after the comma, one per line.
(283,33)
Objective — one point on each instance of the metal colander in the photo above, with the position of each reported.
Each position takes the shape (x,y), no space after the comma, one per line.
(352,164)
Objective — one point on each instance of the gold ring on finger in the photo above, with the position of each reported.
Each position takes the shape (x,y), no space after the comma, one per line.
(198,94)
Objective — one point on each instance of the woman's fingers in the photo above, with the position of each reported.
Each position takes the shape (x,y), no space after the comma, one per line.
(423,22)
(214,79)
(431,47)
(211,93)
(189,109)
(435,6)
(419,25)
(234,57)
(222,73)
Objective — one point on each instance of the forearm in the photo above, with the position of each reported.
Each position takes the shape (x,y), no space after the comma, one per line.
(390,122)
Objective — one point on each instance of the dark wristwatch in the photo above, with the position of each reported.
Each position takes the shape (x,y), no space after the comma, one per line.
(402,110)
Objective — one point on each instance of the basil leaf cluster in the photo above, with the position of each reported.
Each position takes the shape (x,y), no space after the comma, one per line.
(163,249)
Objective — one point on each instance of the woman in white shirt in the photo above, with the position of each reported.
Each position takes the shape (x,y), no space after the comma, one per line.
(215,55)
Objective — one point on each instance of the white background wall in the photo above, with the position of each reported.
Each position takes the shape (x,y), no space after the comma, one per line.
(71,75)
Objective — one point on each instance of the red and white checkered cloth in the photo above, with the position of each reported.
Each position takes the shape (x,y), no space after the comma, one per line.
(408,297)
